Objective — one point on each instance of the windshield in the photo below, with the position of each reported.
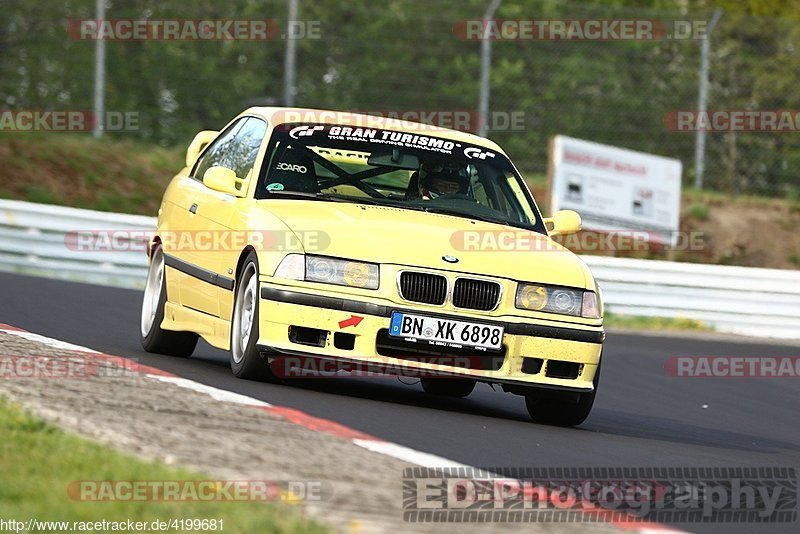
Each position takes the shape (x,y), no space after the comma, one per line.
(406,170)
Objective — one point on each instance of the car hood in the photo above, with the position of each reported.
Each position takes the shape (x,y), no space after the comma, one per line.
(383,234)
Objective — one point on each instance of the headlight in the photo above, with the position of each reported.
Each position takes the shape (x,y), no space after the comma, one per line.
(329,271)
(565,301)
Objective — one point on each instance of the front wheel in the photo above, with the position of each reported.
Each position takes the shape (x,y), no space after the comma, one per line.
(153,337)
(246,362)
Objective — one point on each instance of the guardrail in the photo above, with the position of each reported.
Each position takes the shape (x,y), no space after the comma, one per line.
(34,239)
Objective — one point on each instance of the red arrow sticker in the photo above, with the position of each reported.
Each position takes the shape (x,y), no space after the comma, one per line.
(352,321)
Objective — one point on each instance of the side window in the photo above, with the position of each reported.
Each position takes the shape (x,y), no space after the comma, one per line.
(242,155)
(214,153)
(235,149)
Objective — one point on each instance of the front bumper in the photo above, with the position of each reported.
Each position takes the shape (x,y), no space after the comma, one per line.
(551,356)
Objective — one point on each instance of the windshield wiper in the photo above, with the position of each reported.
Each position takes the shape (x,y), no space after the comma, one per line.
(308,195)
(305,195)
(458,213)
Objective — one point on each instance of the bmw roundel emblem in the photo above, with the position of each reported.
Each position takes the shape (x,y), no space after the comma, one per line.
(450,259)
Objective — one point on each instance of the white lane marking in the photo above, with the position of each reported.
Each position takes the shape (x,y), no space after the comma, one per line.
(222,395)
(406,454)
(50,342)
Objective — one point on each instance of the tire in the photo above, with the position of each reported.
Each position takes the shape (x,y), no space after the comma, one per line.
(448,387)
(246,362)
(561,409)
(153,337)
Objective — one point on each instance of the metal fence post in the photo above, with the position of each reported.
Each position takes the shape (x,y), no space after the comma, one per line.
(702,97)
(486,66)
(291,53)
(99,72)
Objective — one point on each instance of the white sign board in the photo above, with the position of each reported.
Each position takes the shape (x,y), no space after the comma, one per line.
(616,190)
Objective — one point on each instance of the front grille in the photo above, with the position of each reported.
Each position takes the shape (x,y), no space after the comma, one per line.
(476,294)
(423,287)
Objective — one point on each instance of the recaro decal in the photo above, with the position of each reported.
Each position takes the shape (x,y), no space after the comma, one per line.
(291,167)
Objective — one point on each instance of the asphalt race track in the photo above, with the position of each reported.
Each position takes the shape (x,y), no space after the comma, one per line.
(642,417)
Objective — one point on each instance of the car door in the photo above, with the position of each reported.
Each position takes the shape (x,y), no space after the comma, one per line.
(217,247)
(181,245)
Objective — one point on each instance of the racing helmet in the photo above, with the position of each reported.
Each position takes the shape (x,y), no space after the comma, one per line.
(443,181)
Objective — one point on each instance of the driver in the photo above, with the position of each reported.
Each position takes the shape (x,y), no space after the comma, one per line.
(444,181)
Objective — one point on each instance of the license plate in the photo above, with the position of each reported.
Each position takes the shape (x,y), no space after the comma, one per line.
(446,332)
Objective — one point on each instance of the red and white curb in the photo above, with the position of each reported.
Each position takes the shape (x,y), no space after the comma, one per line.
(358,438)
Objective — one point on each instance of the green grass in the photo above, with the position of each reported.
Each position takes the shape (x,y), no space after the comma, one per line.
(77,170)
(38,462)
(535,179)
(699,211)
(36,193)
(708,196)
(615,320)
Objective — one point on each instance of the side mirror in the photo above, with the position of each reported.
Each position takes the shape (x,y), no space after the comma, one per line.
(563,222)
(198,144)
(223,180)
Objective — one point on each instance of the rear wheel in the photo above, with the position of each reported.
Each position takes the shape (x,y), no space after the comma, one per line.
(246,362)
(153,337)
(448,387)
(560,408)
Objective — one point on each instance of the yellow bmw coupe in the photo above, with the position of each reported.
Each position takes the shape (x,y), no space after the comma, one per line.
(312,239)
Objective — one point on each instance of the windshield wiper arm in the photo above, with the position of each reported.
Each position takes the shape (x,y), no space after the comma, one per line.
(458,213)
(308,195)
(303,195)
